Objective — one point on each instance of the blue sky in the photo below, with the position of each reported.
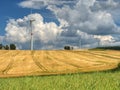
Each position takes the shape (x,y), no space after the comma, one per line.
(10,9)
(60,22)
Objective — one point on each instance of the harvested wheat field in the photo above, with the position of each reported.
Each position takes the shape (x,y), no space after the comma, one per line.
(48,62)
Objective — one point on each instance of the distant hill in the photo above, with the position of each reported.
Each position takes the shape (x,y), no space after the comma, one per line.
(107,48)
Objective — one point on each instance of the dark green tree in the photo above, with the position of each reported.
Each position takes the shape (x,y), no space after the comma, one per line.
(6,47)
(12,47)
(1,46)
(67,47)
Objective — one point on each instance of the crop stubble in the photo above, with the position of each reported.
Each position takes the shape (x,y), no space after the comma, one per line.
(47,62)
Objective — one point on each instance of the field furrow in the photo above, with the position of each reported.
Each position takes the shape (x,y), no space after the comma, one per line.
(110,55)
(96,57)
(67,64)
(106,58)
(51,63)
(78,62)
(9,66)
(36,61)
(23,64)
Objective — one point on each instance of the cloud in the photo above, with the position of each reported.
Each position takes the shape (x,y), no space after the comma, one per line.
(85,22)
(105,40)
(1,38)
(17,31)
(83,18)
(105,5)
(46,35)
(38,4)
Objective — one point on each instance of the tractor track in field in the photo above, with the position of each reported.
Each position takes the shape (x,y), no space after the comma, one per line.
(37,62)
(83,57)
(57,59)
(9,66)
(102,62)
(104,55)
(47,56)
(97,55)
(61,60)
(80,56)
(79,65)
(5,53)
(115,53)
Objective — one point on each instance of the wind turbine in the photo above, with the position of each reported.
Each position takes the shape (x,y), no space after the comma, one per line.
(80,42)
(31,30)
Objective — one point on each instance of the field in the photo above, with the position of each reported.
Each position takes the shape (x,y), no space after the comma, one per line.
(81,81)
(26,63)
(59,66)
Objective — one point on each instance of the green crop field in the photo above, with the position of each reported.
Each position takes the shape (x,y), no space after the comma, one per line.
(82,81)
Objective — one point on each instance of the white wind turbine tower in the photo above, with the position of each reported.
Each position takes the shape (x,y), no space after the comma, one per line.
(31,30)
(80,42)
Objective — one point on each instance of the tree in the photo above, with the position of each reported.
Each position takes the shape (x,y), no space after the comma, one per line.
(7,47)
(1,46)
(67,47)
(12,47)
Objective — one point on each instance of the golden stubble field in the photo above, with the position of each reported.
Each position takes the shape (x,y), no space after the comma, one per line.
(47,62)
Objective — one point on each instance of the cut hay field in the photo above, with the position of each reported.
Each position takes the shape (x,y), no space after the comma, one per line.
(49,62)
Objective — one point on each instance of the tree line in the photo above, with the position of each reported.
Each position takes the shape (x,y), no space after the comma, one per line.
(8,47)
(108,48)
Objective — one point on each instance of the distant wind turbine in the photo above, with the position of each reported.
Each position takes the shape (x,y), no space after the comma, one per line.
(80,42)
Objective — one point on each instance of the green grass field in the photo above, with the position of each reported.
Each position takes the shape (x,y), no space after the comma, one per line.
(109,80)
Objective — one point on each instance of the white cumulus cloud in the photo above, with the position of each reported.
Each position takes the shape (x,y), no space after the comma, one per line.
(17,31)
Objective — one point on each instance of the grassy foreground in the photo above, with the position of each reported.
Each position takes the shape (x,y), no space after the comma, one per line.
(82,81)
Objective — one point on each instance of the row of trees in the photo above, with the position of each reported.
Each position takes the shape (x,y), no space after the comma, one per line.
(108,48)
(8,47)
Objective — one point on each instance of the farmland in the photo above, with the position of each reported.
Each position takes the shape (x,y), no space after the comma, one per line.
(29,64)
(51,62)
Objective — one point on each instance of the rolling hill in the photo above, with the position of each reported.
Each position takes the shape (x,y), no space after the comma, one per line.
(48,62)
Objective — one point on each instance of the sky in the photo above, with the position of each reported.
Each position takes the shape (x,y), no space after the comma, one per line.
(79,23)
